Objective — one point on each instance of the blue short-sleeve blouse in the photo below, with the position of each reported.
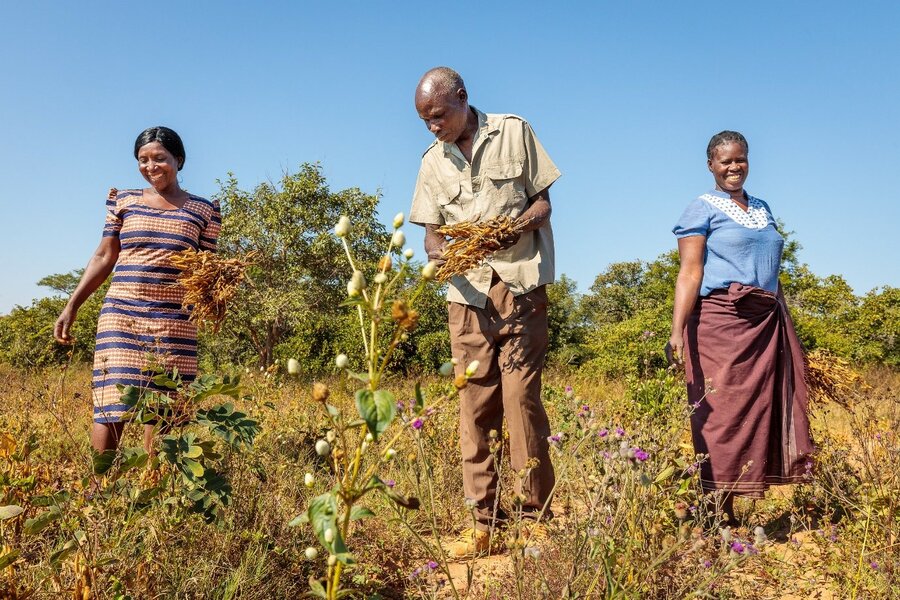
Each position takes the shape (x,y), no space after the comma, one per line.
(741,247)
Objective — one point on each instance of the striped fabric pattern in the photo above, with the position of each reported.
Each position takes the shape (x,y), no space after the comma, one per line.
(142,323)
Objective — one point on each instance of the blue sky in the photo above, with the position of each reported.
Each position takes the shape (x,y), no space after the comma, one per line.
(623,95)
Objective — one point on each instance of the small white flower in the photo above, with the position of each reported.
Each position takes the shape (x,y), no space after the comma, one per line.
(398,239)
(446,369)
(454,361)
(343,227)
(311,553)
(323,448)
(390,453)
(472,368)
(533,552)
(330,436)
(408,253)
(293,366)
(356,284)
(309,480)
(398,220)
(381,278)
(429,270)
(341,361)
(369,437)
(332,560)
(329,535)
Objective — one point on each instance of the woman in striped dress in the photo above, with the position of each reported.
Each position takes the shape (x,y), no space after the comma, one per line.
(142,323)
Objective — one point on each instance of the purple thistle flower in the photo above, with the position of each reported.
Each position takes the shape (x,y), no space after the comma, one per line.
(874,565)
(603,432)
(737,547)
(400,405)
(640,455)
(707,563)
(418,423)
(416,573)
(390,483)
(620,432)
(432,565)
(570,391)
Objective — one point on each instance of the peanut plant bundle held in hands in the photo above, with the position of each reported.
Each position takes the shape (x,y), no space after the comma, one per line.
(472,243)
(210,282)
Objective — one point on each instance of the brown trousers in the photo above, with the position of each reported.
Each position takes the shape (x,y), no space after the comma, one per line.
(508,337)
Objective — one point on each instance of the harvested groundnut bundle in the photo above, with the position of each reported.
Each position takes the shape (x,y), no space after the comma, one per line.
(472,243)
(831,379)
(210,282)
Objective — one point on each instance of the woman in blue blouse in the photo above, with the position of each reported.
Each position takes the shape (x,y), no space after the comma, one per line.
(731,329)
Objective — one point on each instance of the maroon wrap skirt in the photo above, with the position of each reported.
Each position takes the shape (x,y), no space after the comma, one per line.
(745,378)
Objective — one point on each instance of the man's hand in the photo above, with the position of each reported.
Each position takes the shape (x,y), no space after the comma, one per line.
(509,241)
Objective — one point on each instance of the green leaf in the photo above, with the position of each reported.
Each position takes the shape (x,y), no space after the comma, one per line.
(134,458)
(103,461)
(10,511)
(9,558)
(42,521)
(299,520)
(317,590)
(194,452)
(322,514)
(376,409)
(411,502)
(346,558)
(364,377)
(420,398)
(360,512)
(194,467)
(665,474)
(63,553)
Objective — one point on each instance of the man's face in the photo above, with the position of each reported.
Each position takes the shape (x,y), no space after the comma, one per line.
(445,112)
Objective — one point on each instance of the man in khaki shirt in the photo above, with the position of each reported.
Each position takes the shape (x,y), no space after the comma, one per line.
(482,166)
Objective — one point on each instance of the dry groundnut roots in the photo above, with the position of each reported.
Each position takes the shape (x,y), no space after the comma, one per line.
(831,379)
(473,242)
(210,282)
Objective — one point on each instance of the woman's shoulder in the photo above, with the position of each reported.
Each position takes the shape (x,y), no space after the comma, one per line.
(118,199)
(205,203)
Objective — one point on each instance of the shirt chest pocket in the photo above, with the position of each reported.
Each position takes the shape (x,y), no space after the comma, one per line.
(450,201)
(503,187)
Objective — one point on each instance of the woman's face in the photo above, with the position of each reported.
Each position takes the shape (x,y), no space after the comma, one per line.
(158,166)
(729,166)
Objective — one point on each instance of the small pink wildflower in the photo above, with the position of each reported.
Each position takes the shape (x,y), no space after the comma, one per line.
(417,423)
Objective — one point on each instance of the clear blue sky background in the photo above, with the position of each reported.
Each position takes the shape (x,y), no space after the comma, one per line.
(624,95)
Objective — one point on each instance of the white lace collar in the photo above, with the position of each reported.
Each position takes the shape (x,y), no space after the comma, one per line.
(756,216)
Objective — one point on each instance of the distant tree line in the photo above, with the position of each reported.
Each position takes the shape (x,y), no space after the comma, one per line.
(294,306)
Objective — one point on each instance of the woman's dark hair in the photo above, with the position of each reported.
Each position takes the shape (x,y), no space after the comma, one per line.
(165,136)
(726,137)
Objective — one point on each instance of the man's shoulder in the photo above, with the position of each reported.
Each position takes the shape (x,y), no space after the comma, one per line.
(430,148)
(501,119)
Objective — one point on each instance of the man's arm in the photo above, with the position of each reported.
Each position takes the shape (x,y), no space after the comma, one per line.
(434,243)
(538,211)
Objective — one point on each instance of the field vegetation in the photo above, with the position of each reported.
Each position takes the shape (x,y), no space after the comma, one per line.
(318,453)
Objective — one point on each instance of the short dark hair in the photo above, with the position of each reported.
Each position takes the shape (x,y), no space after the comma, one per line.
(726,137)
(165,136)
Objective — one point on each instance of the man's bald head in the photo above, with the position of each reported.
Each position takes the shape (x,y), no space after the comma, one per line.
(440,80)
(443,104)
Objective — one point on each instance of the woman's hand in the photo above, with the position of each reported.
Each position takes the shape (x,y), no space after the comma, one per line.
(64,325)
(675,350)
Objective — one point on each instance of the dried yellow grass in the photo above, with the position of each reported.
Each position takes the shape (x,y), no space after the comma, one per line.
(210,282)
(831,379)
(472,243)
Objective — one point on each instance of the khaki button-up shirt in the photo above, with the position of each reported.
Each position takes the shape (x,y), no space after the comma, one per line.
(508,167)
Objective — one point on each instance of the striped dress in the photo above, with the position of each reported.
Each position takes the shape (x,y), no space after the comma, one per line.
(142,323)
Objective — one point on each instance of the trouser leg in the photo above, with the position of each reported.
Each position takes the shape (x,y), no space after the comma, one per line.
(523,340)
(480,406)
